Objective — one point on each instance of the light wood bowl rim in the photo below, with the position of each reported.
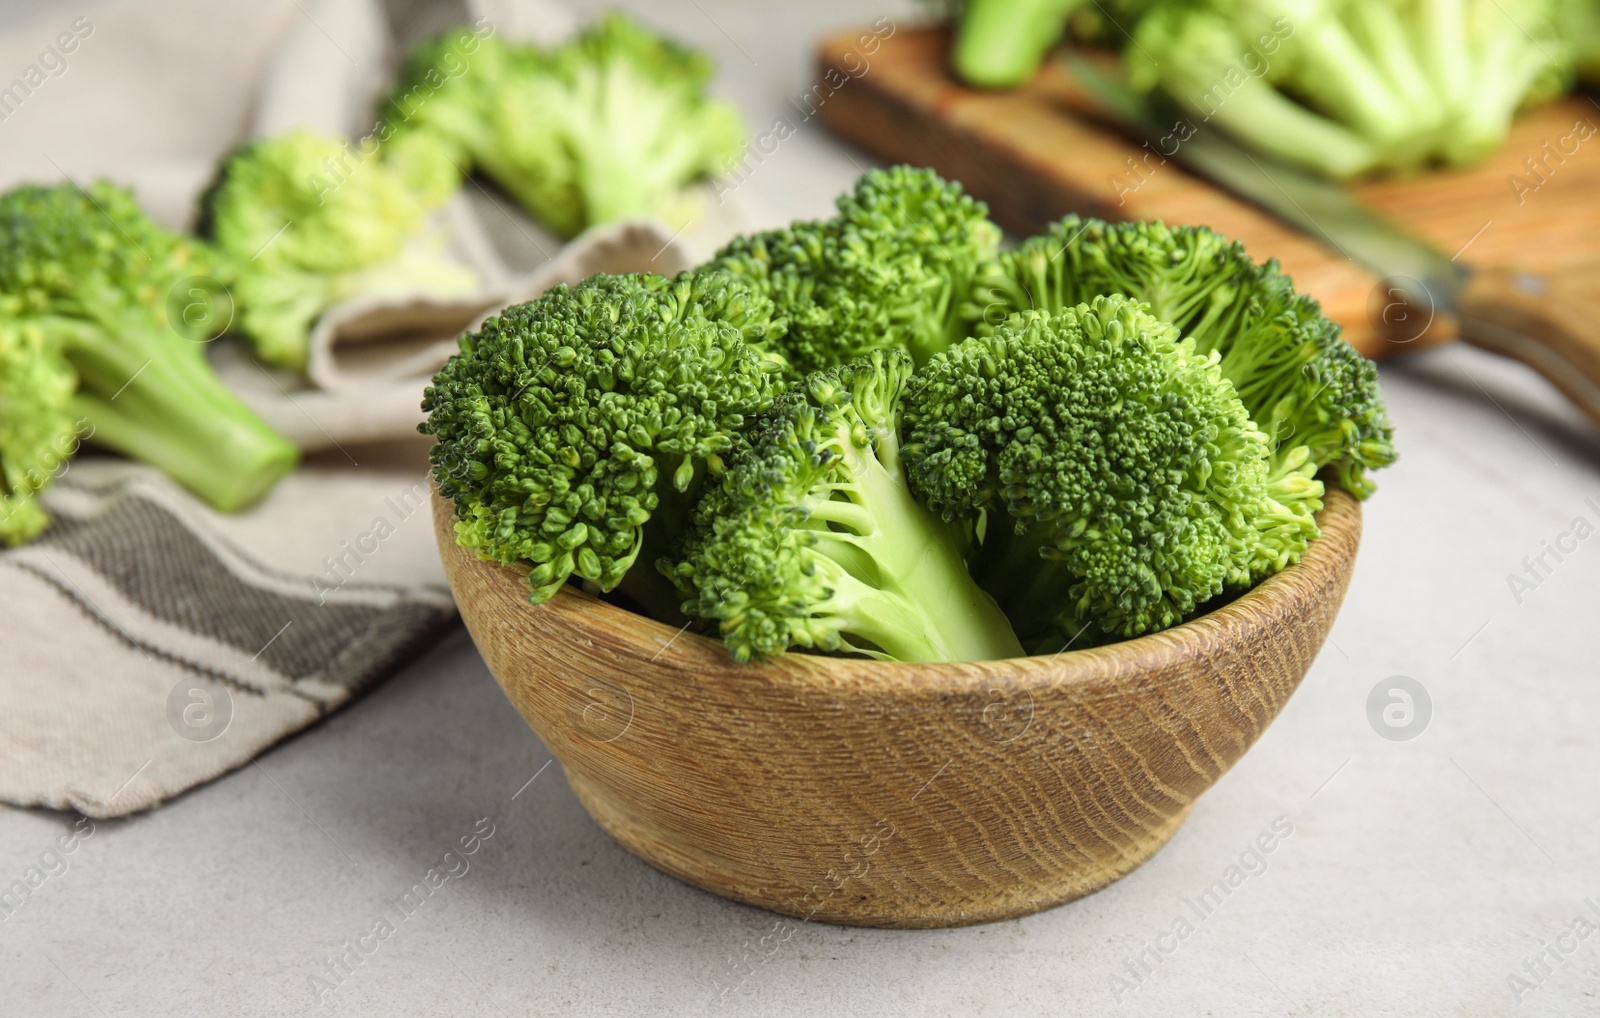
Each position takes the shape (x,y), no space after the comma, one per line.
(1138,661)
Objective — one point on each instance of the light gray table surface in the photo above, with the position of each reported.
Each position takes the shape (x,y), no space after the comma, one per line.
(1419,877)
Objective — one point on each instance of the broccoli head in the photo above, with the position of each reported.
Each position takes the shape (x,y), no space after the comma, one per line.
(613,124)
(311,221)
(1121,477)
(37,432)
(890,271)
(96,297)
(568,423)
(812,537)
(1301,382)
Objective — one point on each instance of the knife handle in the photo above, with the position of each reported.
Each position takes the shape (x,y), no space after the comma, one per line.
(1549,322)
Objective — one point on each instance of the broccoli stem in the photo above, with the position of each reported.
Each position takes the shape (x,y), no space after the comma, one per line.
(1380,31)
(1335,75)
(1441,34)
(1001,43)
(163,405)
(1505,75)
(899,576)
(1264,119)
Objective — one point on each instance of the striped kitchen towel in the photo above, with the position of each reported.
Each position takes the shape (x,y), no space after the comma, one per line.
(151,644)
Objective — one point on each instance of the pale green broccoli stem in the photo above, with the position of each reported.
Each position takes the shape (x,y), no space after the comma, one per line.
(151,399)
(897,570)
(1505,75)
(1268,121)
(1334,74)
(1440,33)
(1380,31)
(1000,43)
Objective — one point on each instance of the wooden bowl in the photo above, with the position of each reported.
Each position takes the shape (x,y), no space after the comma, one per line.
(900,795)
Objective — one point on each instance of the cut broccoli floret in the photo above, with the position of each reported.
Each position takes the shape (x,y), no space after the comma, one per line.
(1122,477)
(1302,383)
(310,222)
(613,124)
(814,539)
(890,271)
(568,423)
(92,290)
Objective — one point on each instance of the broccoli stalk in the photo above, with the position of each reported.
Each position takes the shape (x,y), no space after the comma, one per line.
(106,304)
(1000,43)
(814,538)
(1578,22)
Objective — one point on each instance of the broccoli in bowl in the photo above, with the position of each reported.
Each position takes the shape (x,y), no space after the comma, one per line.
(881,435)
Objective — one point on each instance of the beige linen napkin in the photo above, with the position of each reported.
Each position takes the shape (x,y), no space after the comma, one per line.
(150,643)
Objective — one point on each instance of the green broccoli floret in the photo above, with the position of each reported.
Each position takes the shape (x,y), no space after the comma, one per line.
(612,124)
(890,271)
(616,127)
(569,423)
(309,221)
(1350,87)
(1301,382)
(37,432)
(1124,483)
(91,288)
(814,539)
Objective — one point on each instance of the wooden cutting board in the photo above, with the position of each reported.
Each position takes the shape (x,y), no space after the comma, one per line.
(1036,154)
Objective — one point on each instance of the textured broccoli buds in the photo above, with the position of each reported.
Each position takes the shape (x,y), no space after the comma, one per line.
(1302,383)
(568,423)
(890,271)
(813,538)
(1100,441)
(309,222)
(96,298)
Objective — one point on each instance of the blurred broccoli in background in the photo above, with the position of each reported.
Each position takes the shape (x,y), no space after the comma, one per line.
(613,124)
(309,221)
(1349,88)
(104,321)
(1579,25)
(1345,87)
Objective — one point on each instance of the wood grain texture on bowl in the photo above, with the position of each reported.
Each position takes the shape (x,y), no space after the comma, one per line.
(900,795)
